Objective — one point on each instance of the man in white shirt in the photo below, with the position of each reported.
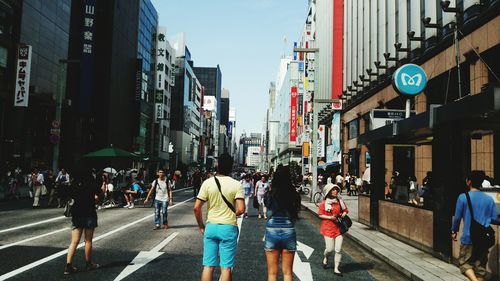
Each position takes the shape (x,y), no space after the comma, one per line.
(339,180)
(163,198)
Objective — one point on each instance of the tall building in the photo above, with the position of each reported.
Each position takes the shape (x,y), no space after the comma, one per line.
(224,138)
(102,101)
(252,143)
(186,106)
(211,79)
(27,111)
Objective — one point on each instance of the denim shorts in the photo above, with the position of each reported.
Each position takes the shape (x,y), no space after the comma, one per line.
(280,239)
(219,245)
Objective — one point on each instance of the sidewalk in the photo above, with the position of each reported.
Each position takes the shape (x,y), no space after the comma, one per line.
(411,262)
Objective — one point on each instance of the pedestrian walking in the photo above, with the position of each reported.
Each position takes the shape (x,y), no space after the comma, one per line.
(62,185)
(477,211)
(339,181)
(50,182)
(261,189)
(197,179)
(163,198)
(283,205)
(37,186)
(12,180)
(247,186)
(225,200)
(329,211)
(84,192)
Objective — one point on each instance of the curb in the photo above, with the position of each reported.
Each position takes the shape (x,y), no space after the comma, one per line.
(391,263)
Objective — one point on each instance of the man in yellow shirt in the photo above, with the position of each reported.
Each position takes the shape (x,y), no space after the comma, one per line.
(226,201)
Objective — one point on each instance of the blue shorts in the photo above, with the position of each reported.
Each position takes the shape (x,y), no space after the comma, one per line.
(280,239)
(219,245)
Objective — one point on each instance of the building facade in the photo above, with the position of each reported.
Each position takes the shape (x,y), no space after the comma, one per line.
(185,118)
(25,129)
(453,125)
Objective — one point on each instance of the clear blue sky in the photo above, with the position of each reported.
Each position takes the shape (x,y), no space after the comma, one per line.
(245,37)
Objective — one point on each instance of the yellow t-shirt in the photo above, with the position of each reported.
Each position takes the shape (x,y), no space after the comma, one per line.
(218,211)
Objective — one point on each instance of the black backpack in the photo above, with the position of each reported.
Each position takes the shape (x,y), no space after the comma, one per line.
(482,237)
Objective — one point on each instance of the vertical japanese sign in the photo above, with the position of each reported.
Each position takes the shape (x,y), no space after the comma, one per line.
(23,76)
(293,114)
(87,57)
(161,72)
(321,141)
(336,149)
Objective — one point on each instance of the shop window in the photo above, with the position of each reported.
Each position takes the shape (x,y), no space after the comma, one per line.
(353,128)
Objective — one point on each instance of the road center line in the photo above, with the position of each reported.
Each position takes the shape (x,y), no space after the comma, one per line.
(32,238)
(31,224)
(63,252)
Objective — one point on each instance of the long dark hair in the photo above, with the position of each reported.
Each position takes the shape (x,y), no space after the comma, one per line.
(284,193)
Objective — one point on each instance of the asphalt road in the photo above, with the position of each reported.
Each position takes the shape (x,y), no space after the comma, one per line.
(33,246)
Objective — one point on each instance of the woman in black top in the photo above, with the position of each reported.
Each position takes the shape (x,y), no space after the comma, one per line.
(283,206)
(84,190)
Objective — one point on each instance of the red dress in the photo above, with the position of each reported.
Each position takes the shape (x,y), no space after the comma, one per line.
(330,228)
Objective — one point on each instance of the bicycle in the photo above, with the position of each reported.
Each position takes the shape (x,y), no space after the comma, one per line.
(318,197)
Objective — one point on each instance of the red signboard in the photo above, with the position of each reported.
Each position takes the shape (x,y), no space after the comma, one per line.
(293,114)
(338,43)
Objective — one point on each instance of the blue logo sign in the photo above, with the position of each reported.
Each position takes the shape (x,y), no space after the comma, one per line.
(410,79)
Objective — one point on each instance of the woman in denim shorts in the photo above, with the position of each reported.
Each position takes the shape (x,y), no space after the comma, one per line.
(283,205)
(84,189)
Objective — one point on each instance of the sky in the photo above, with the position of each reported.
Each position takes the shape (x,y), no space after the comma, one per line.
(245,37)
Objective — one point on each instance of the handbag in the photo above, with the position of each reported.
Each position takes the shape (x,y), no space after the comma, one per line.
(255,202)
(344,222)
(482,237)
(43,189)
(68,209)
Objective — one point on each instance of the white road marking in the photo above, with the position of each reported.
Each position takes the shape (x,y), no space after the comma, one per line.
(300,268)
(64,252)
(144,258)
(32,224)
(32,238)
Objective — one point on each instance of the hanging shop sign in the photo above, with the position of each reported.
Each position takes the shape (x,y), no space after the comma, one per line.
(293,114)
(23,76)
(87,59)
(321,141)
(161,72)
(409,80)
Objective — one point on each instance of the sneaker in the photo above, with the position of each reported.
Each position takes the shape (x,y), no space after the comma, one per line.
(126,206)
(156,227)
(260,216)
(131,206)
(69,269)
(246,215)
(92,266)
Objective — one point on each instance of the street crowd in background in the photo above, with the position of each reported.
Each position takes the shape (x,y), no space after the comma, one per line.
(276,196)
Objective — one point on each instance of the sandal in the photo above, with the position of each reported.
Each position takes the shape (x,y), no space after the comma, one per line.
(324,263)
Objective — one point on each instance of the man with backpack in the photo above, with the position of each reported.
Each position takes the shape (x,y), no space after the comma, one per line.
(477,211)
(163,198)
(225,199)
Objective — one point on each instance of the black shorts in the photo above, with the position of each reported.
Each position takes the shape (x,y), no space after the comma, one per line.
(84,222)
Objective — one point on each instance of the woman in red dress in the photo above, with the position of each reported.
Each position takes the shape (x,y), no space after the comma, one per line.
(329,210)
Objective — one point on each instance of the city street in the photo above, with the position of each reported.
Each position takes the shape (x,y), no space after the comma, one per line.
(33,244)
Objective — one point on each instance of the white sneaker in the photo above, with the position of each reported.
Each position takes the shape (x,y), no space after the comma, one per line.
(126,206)
(131,206)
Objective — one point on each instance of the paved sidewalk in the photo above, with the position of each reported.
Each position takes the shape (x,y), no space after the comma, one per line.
(411,262)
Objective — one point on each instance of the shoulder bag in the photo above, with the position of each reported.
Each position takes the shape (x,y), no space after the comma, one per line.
(482,237)
(344,222)
(229,205)
(68,209)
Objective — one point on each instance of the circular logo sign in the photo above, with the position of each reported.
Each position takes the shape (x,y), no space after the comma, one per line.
(410,79)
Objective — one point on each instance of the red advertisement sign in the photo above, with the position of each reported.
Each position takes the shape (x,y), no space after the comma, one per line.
(293,114)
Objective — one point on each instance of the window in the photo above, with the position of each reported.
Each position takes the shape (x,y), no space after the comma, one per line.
(353,128)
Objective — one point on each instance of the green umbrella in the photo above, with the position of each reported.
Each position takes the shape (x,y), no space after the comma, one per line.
(110,152)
